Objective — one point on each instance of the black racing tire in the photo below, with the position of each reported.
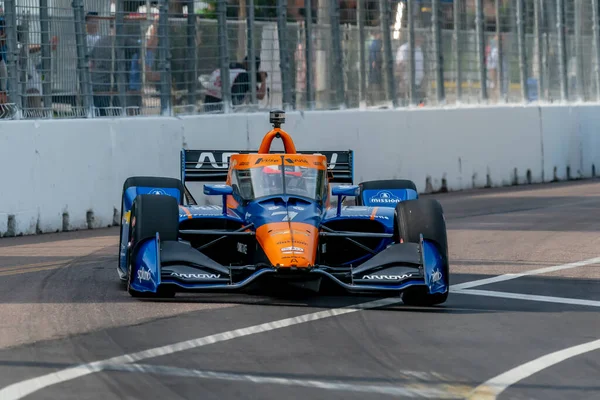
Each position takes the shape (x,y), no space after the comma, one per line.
(151,214)
(382,185)
(423,216)
(148,181)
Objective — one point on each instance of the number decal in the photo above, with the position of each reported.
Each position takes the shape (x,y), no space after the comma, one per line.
(287,217)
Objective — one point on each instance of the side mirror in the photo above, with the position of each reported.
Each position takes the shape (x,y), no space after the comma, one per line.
(218,190)
(345,190)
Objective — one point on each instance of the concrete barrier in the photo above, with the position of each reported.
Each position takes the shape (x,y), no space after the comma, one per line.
(68,174)
(64,175)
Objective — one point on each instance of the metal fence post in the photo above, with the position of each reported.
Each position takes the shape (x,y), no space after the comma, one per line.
(338,68)
(284,58)
(23,39)
(82,58)
(596,28)
(193,58)
(46,57)
(360,21)
(164,57)
(546,49)
(522,51)
(481,49)
(562,54)
(223,54)
(503,95)
(539,49)
(411,51)
(388,60)
(457,50)
(251,50)
(310,92)
(12,53)
(579,53)
(120,56)
(437,50)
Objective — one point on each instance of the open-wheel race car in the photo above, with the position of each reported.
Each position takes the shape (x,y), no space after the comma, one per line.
(276,225)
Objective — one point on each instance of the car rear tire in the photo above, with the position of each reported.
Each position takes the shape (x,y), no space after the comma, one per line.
(423,216)
(151,214)
(155,182)
(382,185)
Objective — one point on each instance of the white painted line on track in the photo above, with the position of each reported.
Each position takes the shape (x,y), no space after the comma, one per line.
(508,277)
(24,388)
(411,390)
(492,388)
(531,297)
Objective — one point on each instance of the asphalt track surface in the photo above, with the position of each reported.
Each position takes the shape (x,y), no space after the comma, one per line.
(529,336)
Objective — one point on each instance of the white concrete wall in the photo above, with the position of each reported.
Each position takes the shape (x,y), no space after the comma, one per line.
(54,167)
(77,167)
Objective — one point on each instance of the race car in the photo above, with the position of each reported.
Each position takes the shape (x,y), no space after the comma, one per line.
(275,224)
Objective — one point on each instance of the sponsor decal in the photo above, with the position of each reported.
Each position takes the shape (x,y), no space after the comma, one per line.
(158,192)
(296,160)
(242,248)
(436,276)
(144,275)
(384,197)
(293,248)
(209,158)
(295,241)
(197,215)
(365,216)
(298,208)
(332,161)
(267,160)
(126,217)
(282,242)
(209,207)
(201,211)
(387,277)
(287,232)
(273,208)
(195,276)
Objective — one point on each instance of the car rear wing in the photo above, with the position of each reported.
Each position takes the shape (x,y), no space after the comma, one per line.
(212,165)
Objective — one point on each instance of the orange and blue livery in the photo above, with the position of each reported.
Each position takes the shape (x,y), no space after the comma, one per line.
(281,219)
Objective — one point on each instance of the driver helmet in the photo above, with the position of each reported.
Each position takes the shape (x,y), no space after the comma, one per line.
(272,176)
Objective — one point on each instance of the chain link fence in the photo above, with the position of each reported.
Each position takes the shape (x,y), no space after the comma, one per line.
(98,58)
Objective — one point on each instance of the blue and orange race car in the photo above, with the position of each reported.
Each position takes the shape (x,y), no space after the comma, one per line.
(276,225)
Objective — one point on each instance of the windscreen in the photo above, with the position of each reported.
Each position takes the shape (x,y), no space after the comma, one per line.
(257,182)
